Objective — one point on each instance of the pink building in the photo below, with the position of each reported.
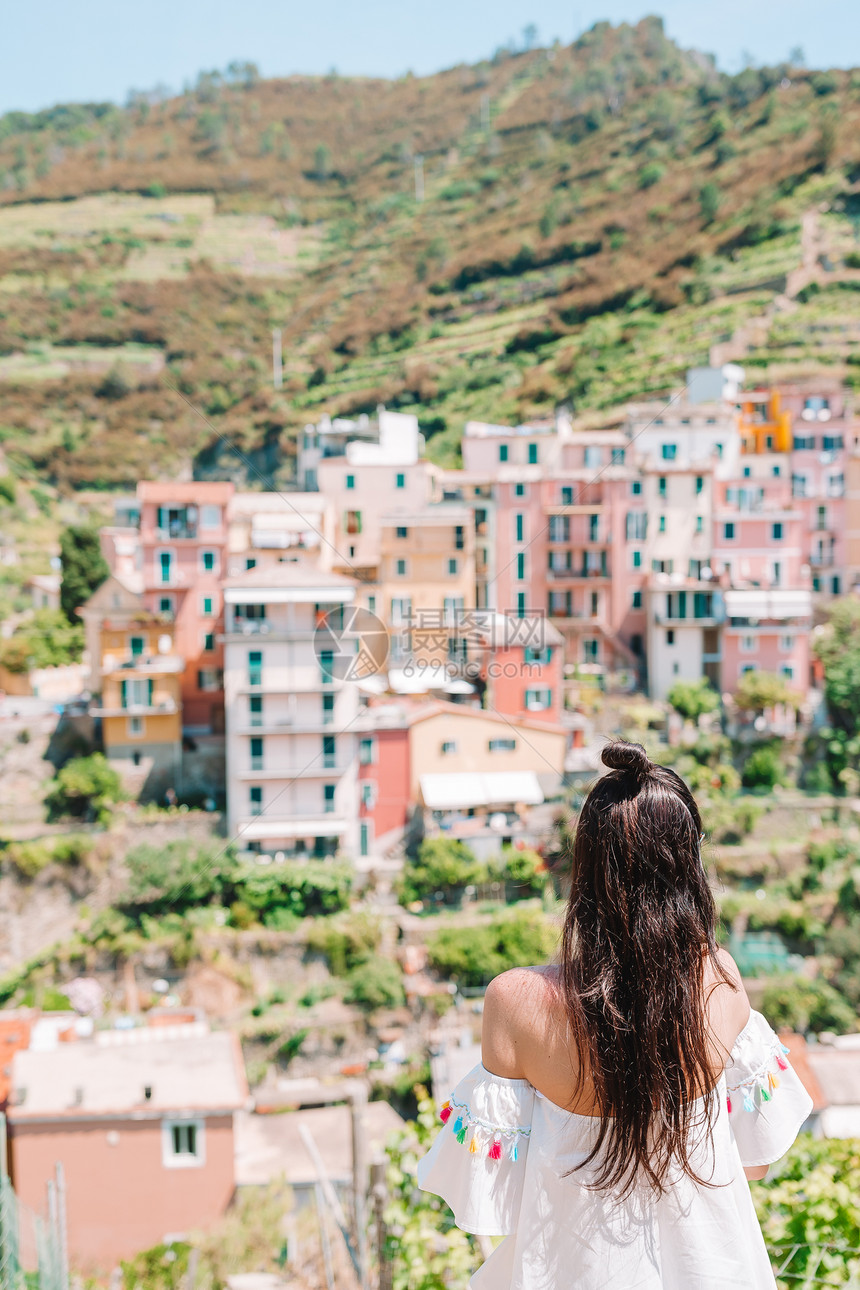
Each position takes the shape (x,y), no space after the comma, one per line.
(822,424)
(183,538)
(383,775)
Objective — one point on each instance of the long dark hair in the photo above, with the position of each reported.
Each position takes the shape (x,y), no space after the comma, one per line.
(638,931)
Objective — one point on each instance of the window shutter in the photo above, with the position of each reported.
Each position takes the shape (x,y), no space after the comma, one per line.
(123,685)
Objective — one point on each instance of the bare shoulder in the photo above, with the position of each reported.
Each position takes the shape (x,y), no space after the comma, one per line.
(730,1001)
(513,1002)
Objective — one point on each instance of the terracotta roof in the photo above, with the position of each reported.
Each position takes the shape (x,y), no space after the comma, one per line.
(799,1057)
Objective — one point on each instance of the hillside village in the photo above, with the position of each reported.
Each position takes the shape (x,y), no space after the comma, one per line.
(357,483)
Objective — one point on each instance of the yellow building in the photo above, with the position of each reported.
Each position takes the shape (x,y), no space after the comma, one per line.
(763,424)
(456,740)
(140,704)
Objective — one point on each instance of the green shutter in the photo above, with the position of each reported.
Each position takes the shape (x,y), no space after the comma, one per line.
(149,686)
(123,685)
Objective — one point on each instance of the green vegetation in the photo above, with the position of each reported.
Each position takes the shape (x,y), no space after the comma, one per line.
(693,699)
(85,788)
(31,857)
(84,568)
(837,645)
(377,983)
(444,866)
(47,639)
(795,1003)
(347,940)
(473,955)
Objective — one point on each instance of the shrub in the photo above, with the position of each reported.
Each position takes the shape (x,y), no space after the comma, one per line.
(29,858)
(710,200)
(179,875)
(793,1003)
(315,887)
(375,984)
(47,639)
(8,489)
(85,788)
(651,174)
(472,956)
(347,940)
(758,690)
(523,869)
(763,768)
(442,864)
(692,699)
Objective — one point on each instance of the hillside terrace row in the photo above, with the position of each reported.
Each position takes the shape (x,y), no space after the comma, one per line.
(695,536)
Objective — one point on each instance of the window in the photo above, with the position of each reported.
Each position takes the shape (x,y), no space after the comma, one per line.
(718,449)
(210,517)
(747,471)
(832,443)
(537,654)
(787,671)
(636,526)
(636,559)
(165,605)
(208,642)
(249,613)
(521,604)
(821,517)
(208,560)
(401,610)
(137,645)
(364,833)
(328,798)
(250,562)
(700,484)
(255,667)
(748,667)
(729,531)
(749,644)
(617,456)
(533,454)
(636,600)
(206,606)
(367,751)
(135,727)
(538,700)
(594,528)
(255,799)
(700,524)
(399,480)
(661,486)
(776,574)
(567,497)
(798,485)
(255,709)
(595,603)
(353,522)
(401,568)
(662,524)
(670,636)
(183,1144)
(448,748)
(165,566)
(256,752)
(776,471)
(835,585)
(503,452)
(593,456)
(452,566)
(329,752)
(836,486)
(662,566)
(501,745)
(776,532)
(804,442)
(402,531)
(208,678)
(559,528)
(459,538)
(669,451)
(371,604)
(591,649)
(368,794)
(520,490)
(786,643)
(521,566)
(350,482)
(636,488)
(136,693)
(327,666)
(519,524)
(327,709)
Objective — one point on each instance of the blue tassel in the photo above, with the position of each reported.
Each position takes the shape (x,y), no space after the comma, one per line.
(459,1124)
(512,1153)
(784,1049)
(749,1105)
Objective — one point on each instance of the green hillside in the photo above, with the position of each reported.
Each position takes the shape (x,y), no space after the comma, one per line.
(594,218)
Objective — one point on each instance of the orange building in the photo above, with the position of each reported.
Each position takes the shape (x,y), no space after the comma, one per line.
(763,424)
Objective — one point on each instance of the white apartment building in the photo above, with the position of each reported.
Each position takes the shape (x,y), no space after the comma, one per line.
(292,764)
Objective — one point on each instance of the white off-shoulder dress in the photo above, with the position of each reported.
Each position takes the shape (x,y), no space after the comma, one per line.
(502,1162)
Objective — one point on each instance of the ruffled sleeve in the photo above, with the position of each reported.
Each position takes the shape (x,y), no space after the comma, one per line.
(767,1102)
(478,1160)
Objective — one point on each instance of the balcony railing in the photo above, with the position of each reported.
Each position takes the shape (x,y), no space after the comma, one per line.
(176,532)
(143,663)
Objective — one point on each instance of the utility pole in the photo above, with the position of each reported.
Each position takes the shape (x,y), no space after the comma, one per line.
(419,178)
(277,361)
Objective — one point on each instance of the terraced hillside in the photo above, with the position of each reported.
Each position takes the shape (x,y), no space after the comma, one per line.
(569,224)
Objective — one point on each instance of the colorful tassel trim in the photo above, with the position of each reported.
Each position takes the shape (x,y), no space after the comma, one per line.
(782,1063)
(764,1083)
(473,1145)
(461,1136)
(495,1151)
(503,1141)
(749,1105)
(445,1113)
(512,1151)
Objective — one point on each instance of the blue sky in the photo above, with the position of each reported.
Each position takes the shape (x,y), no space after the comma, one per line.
(55,51)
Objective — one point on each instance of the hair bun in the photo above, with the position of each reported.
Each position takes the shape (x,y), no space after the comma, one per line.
(621,755)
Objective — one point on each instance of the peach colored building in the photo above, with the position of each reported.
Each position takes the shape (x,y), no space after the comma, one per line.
(183,537)
(142,1124)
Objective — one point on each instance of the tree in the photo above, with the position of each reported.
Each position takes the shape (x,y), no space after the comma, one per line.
(810,1212)
(530,35)
(759,690)
(84,568)
(793,1003)
(763,768)
(472,956)
(442,864)
(837,644)
(85,788)
(322,161)
(375,984)
(48,639)
(693,699)
(178,876)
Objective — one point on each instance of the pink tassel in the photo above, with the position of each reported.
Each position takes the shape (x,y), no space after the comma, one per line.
(782,1063)
(495,1151)
(729,1104)
(445,1114)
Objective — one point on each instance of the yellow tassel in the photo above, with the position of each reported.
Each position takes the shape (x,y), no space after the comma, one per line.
(772,1080)
(445,1105)
(473,1145)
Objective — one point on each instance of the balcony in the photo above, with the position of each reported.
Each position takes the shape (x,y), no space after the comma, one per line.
(164,708)
(145,663)
(312,770)
(578,575)
(177,531)
(822,559)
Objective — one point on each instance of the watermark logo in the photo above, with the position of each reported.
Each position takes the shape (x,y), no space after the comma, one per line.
(351,643)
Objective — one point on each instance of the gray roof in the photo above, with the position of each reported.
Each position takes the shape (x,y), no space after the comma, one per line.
(106,1076)
(289,573)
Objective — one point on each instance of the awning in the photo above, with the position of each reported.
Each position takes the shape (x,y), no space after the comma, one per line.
(494,788)
(322,827)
